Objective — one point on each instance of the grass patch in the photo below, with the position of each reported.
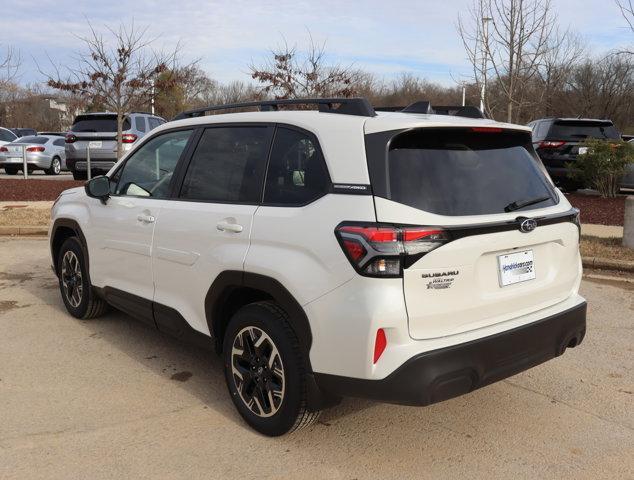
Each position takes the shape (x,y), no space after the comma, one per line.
(611,248)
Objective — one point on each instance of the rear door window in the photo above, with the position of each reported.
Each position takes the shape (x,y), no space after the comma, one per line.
(139,124)
(579,130)
(459,172)
(228,165)
(297,172)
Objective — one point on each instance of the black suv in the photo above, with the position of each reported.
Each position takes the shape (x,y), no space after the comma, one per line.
(557,140)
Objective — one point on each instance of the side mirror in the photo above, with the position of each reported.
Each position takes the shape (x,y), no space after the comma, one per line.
(99,187)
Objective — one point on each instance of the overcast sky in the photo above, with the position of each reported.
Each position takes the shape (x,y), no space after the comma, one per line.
(384,37)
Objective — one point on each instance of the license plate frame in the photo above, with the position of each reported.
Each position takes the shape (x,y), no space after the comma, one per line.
(516,267)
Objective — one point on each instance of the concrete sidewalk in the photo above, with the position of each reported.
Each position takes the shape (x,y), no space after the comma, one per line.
(603,231)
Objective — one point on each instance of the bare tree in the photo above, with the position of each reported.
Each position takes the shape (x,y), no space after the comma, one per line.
(290,74)
(117,73)
(627,10)
(510,51)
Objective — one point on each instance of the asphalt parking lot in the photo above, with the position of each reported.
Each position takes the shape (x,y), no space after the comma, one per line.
(110,398)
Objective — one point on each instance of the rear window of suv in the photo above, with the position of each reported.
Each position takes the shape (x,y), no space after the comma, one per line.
(461,172)
(579,130)
(98,123)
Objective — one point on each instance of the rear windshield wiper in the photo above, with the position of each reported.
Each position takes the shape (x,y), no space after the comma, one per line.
(524,203)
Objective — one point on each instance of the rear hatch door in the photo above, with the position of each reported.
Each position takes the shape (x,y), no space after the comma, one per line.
(97,132)
(473,182)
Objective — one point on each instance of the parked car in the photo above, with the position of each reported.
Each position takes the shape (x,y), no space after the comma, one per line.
(23,132)
(557,140)
(99,132)
(394,256)
(6,136)
(43,152)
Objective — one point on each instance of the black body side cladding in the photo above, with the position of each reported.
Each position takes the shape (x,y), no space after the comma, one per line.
(448,372)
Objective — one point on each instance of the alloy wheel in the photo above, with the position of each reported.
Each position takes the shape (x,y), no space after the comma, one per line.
(258,371)
(72,278)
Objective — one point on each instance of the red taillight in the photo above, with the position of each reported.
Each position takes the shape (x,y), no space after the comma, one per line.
(70,138)
(486,129)
(383,251)
(379,344)
(128,138)
(551,144)
(35,149)
(4,149)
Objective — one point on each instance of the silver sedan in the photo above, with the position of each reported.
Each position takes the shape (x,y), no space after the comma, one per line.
(43,152)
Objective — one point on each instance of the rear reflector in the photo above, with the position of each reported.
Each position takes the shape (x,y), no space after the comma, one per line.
(379,344)
(383,251)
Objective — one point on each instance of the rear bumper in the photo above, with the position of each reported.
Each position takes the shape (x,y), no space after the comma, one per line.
(35,161)
(95,165)
(445,373)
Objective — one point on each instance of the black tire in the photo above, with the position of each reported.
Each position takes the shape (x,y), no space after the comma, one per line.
(291,413)
(80,175)
(55,168)
(84,304)
(11,170)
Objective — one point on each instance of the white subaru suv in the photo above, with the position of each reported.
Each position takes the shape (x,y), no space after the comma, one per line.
(401,256)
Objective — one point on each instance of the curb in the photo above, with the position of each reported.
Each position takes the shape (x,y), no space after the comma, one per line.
(24,231)
(607,264)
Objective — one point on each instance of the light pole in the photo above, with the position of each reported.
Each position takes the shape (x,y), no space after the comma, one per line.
(485,53)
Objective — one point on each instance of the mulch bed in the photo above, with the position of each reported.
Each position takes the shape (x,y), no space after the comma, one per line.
(597,210)
(25,190)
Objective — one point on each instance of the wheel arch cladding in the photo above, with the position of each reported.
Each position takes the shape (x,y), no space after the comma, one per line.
(233,289)
(64,228)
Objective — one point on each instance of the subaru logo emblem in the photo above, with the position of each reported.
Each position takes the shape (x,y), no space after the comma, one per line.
(527,225)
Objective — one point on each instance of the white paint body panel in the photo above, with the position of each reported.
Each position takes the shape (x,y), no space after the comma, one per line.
(175,260)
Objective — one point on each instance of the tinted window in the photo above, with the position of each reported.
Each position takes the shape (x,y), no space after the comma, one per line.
(98,123)
(139,124)
(39,140)
(228,165)
(542,129)
(59,142)
(154,122)
(577,131)
(297,172)
(148,172)
(6,135)
(461,172)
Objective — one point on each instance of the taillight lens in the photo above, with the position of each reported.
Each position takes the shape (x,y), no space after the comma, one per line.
(551,144)
(383,251)
(4,149)
(128,138)
(70,138)
(35,149)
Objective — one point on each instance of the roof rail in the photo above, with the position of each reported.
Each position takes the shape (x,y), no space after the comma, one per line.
(346,106)
(427,108)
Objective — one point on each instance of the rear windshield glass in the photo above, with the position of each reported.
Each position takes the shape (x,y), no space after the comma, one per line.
(98,123)
(38,140)
(571,130)
(463,172)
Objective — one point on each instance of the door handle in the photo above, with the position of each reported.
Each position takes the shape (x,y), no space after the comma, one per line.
(146,218)
(229,227)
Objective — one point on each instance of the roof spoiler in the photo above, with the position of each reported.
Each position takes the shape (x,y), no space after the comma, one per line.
(343,106)
(425,107)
